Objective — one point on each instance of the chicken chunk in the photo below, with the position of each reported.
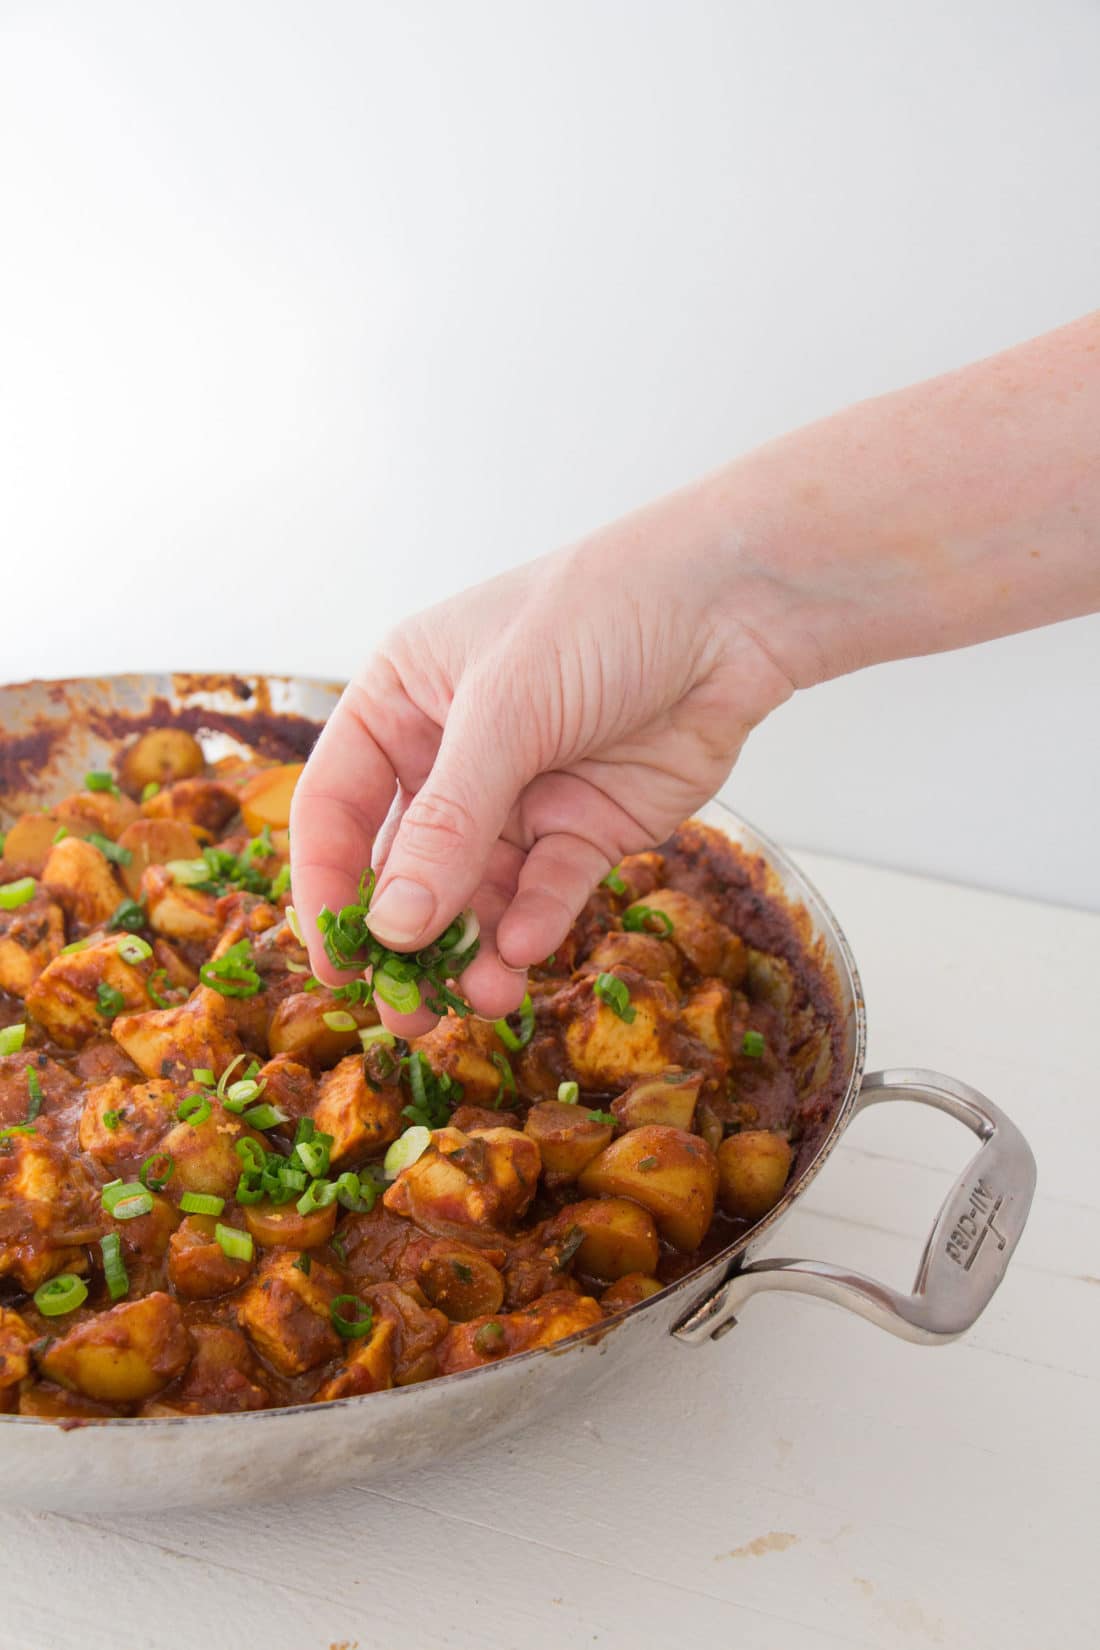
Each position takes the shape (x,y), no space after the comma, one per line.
(709,946)
(647,954)
(486,1340)
(363,1119)
(80,878)
(607,1051)
(368,1366)
(79,993)
(463,1049)
(178,912)
(205,803)
(173,1042)
(221,1379)
(418,1329)
(124,1354)
(30,937)
(468,1186)
(123,1122)
(15,1361)
(49,1208)
(286,1312)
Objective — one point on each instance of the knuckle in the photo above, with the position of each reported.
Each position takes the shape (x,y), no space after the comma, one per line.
(437,828)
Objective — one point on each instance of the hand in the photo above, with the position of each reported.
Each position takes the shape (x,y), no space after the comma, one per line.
(505,749)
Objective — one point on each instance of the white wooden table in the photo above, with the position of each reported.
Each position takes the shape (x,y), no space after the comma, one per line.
(808,1481)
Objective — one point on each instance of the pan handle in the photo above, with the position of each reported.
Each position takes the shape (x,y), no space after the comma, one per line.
(967,1252)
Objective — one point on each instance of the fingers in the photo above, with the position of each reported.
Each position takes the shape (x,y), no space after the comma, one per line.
(439,854)
(560,873)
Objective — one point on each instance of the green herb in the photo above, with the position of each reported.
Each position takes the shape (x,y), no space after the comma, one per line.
(126,1200)
(489,1339)
(507,1079)
(100,780)
(645,1164)
(339,1248)
(303,1263)
(11,1039)
(201,1203)
(614,881)
(15,894)
(110,850)
(150,790)
(616,994)
(129,915)
(464,1273)
(643,919)
(434,1094)
(108,1001)
(602,1117)
(752,1044)
(59,835)
(234,1244)
(573,1240)
(195,1109)
(233,974)
(401,981)
(351,1317)
(515,1040)
(114,1270)
(157,1171)
(61,1294)
(34,1092)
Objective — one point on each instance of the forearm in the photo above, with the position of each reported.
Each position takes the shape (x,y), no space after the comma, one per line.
(957,510)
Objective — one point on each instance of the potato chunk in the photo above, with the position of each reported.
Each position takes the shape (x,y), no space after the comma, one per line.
(285,1312)
(607,1052)
(363,1119)
(708,1014)
(173,1042)
(752,1171)
(418,1329)
(49,1208)
(30,937)
(158,758)
(124,1354)
(177,912)
(627,1292)
(222,1377)
(15,1359)
(459,1280)
(281,1226)
(647,954)
(198,1267)
(709,946)
(298,1028)
(138,1116)
(82,881)
(369,1365)
(567,1138)
(486,1340)
(154,842)
(206,804)
(76,995)
(97,811)
(670,1098)
(205,1155)
(27,845)
(669,1172)
(463,1049)
(468,1186)
(265,798)
(619,1236)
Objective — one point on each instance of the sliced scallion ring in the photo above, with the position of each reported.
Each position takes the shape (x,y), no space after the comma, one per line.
(15,894)
(64,1293)
(405,1150)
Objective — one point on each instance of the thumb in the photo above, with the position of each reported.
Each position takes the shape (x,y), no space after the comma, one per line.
(438,856)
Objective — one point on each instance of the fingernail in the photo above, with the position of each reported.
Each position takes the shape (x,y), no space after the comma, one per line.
(401,911)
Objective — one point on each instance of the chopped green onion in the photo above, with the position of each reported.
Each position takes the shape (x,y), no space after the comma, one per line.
(489,1339)
(108,1001)
(356,1192)
(235,1244)
(351,1317)
(110,850)
(314,1155)
(405,1150)
(293,967)
(293,924)
(645,1164)
(129,915)
(61,1294)
(602,1117)
(249,1190)
(35,1096)
(251,1154)
(195,1109)
(338,1019)
(203,1075)
(640,919)
(152,991)
(186,872)
(569,1093)
(150,790)
(15,894)
(157,1171)
(112,1119)
(260,847)
(317,1195)
(133,949)
(371,1036)
(752,1044)
(513,1040)
(614,881)
(126,1200)
(403,996)
(233,974)
(281,884)
(77,945)
(100,780)
(239,1095)
(201,1203)
(114,1270)
(223,1080)
(616,994)
(11,1039)
(265,1116)
(507,1077)
(59,835)
(17,1128)
(304,1263)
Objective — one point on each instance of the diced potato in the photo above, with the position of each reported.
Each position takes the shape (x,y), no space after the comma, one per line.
(276,1226)
(646,953)
(65,998)
(709,946)
(49,1209)
(642,873)
(462,1283)
(463,1049)
(158,758)
(545,1321)
(708,1014)
(566,1136)
(173,1042)
(265,798)
(82,881)
(27,845)
(154,842)
(418,1329)
(205,1156)
(124,1354)
(619,1237)
(30,937)
(206,804)
(607,1052)
(140,1115)
(468,1186)
(15,1360)
(627,1292)
(97,811)
(752,1171)
(363,1119)
(285,1312)
(671,1173)
(48,1402)
(198,1267)
(369,1365)
(222,1377)
(298,1028)
(178,912)
(670,1098)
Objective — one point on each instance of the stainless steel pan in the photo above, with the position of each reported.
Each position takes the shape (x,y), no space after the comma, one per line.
(50,734)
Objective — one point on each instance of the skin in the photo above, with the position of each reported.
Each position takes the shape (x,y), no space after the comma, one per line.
(505,748)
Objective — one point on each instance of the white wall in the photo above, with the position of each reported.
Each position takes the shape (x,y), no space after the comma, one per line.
(310,313)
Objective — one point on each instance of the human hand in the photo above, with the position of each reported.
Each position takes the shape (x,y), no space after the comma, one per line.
(506,748)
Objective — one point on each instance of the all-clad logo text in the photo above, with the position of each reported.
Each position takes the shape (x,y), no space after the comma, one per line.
(973,1227)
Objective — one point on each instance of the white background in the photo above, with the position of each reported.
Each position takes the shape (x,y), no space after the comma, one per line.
(312,313)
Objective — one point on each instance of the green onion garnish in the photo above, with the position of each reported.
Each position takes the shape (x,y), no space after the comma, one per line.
(602,1117)
(17,1128)
(405,1150)
(133,949)
(356,1192)
(61,1294)
(317,1195)
(114,1270)
(351,1317)
(237,1245)
(112,1119)
(150,790)
(515,1040)
(201,1203)
(752,1044)
(507,1078)
(313,1156)
(34,1095)
(100,780)
(281,884)
(126,1200)
(187,872)
(129,915)
(645,1164)
(77,945)
(195,1109)
(643,919)
(400,981)
(157,1171)
(109,1002)
(489,1339)
(338,1019)
(616,994)
(59,835)
(265,1116)
(204,1076)
(371,1036)
(15,894)
(233,974)
(110,850)
(569,1093)
(11,1039)
(152,989)
(614,881)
